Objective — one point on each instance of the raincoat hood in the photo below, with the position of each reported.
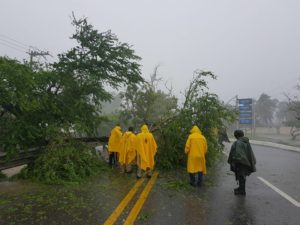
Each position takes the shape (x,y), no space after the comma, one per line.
(128,133)
(114,139)
(244,139)
(145,129)
(195,129)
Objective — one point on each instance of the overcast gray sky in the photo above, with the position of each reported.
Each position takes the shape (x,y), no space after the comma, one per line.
(252,46)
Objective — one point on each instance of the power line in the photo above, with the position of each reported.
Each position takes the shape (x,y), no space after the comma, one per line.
(7,45)
(18,42)
(32,51)
(12,43)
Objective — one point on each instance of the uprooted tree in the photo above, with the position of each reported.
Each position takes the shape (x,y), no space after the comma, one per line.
(171,123)
(200,108)
(47,104)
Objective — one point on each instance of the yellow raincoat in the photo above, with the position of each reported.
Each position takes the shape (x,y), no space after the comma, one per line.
(128,148)
(196,148)
(114,139)
(147,145)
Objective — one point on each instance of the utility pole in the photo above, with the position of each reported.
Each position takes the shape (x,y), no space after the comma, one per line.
(34,53)
(237,108)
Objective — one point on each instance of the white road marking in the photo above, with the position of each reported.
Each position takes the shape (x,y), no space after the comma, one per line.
(284,195)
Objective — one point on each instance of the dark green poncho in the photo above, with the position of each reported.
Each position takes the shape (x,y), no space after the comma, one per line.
(241,154)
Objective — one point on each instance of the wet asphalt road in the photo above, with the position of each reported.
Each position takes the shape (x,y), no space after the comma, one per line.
(216,204)
(172,201)
(262,205)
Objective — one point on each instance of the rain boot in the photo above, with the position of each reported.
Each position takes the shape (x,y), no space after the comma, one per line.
(243,186)
(149,173)
(193,179)
(111,159)
(199,182)
(241,189)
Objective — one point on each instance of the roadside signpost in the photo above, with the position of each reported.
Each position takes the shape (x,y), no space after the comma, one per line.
(246,113)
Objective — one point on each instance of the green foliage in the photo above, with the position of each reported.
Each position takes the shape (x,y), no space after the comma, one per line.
(176,185)
(19,105)
(200,108)
(170,123)
(171,137)
(40,104)
(62,164)
(146,104)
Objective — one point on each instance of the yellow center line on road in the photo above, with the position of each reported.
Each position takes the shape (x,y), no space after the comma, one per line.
(116,213)
(140,202)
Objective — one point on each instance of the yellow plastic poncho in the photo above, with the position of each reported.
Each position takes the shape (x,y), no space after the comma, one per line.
(196,148)
(142,161)
(128,148)
(114,139)
(147,144)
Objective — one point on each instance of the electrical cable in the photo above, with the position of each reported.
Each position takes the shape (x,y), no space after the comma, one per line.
(10,46)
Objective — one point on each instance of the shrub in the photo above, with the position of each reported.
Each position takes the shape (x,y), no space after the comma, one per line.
(60,164)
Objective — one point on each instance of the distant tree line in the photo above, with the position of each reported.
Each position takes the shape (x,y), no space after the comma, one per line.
(274,113)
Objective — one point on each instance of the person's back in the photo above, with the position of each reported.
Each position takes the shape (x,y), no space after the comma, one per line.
(114,144)
(128,148)
(149,147)
(197,145)
(242,160)
(196,148)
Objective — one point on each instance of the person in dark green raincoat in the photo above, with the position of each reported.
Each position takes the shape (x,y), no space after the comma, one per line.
(242,161)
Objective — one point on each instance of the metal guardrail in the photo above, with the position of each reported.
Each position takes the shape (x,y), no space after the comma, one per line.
(25,157)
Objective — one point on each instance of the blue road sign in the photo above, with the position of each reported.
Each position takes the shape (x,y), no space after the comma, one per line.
(245,114)
(245,121)
(245,108)
(245,101)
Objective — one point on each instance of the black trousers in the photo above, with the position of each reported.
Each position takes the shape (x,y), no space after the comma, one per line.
(194,181)
(112,158)
(241,172)
(242,181)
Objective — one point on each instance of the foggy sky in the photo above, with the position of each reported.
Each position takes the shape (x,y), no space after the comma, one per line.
(252,46)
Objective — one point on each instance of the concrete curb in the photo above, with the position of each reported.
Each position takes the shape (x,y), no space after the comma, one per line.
(271,144)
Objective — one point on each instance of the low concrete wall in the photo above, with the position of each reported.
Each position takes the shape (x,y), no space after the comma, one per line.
(272,130)
(271,144)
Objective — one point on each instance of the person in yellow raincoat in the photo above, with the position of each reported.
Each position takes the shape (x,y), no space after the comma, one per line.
(113,144)
(147,144)
(128,149)
(196,148)
(141,159)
